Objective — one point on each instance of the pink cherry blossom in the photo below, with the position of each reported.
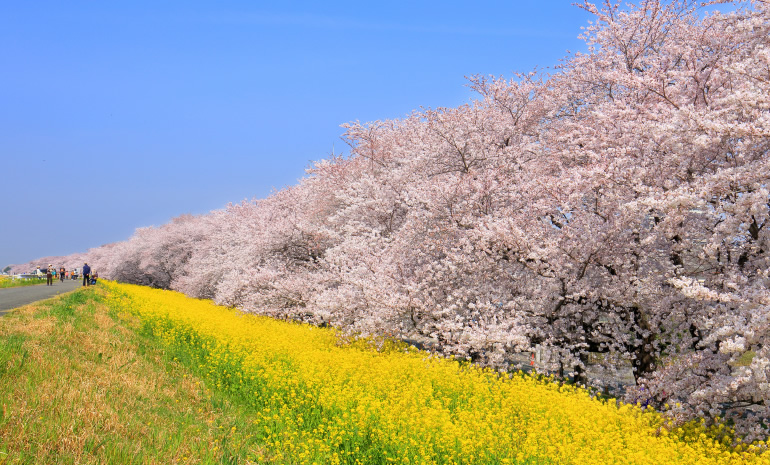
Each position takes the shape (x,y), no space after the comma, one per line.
(615,210)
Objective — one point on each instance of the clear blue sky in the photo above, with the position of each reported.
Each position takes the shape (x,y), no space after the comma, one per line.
(121,114)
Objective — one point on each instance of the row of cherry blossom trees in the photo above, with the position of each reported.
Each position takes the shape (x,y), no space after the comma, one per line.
(618,206)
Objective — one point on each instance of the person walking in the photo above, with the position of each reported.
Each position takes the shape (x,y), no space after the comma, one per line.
(49,276)
(86,274)
(62,272)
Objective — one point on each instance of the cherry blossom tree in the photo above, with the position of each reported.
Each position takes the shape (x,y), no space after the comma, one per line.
(614,211)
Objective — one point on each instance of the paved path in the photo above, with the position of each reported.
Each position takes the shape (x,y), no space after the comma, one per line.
(15,297)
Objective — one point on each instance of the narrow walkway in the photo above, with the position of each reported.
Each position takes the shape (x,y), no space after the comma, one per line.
(16,297)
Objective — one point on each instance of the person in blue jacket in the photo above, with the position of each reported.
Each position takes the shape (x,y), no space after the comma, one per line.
(86,274)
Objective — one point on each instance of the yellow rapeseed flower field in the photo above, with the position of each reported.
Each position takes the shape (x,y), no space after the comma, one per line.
(319,402)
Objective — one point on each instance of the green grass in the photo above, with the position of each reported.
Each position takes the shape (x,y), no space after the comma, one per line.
(6,282)
(81,384)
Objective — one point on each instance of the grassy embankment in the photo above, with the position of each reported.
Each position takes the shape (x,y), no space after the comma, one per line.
(6,282)
(123,374)
(78,384)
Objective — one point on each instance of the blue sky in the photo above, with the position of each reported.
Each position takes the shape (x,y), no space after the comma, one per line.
(122,114)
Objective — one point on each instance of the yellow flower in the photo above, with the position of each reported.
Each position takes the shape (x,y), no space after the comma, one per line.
(320,401)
